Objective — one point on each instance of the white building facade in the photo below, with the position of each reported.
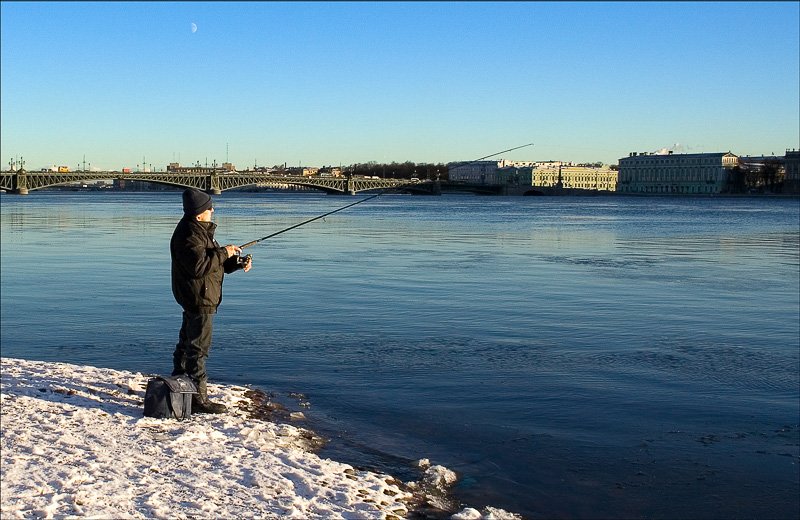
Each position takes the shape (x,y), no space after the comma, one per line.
(697,173)
(576,177)
(549,174)
(477,172)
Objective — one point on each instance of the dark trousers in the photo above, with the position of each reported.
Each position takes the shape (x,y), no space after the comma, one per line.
(194,344)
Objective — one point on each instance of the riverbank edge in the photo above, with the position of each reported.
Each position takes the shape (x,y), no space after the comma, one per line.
(66,400)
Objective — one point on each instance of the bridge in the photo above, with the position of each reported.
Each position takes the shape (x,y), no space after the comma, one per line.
(22,181)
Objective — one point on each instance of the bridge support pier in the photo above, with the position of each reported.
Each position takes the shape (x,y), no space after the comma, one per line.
(212,182)
(21,182)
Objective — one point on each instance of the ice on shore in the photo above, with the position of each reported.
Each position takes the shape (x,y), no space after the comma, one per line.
(75,443)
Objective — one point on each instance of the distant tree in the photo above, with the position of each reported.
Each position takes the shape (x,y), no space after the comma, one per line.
(752,179)
(395,170)
(771,175)
(737,180)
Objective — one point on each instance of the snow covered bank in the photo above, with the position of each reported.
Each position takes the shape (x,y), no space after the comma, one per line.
(74,443)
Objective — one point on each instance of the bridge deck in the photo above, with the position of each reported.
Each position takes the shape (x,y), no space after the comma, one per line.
(22,182)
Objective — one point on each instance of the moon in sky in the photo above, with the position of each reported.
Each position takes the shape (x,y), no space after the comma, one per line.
(194,27)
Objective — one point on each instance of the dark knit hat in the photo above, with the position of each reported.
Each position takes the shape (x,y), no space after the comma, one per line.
(195,201)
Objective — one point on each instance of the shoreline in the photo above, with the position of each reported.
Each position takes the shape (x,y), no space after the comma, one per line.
(75,443)
(523,191)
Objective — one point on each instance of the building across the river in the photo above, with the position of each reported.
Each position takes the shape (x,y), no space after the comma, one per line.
(556,174)
(791,182)
(696,173)
(547,174)
(224,167)
(475,172)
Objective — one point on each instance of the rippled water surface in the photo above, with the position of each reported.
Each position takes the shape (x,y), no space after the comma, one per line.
(600,357)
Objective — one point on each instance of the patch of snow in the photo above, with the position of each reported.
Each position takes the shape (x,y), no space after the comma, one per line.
(489,513)
(75,443)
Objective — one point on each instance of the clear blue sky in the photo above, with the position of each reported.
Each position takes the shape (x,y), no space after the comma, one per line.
(328,83)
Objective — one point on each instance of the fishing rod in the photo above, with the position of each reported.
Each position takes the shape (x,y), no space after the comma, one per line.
(254,242)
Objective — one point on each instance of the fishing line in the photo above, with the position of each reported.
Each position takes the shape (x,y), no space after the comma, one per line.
(254,242)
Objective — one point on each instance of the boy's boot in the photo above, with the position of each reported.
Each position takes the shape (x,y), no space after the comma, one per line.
(201,404)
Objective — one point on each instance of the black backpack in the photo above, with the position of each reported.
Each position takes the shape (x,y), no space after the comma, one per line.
(169,397)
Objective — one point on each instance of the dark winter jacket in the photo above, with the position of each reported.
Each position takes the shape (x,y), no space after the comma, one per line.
(198,266)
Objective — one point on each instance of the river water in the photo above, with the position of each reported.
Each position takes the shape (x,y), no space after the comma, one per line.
(597,357)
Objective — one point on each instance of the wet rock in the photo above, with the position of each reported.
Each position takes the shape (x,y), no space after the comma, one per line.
(259,405)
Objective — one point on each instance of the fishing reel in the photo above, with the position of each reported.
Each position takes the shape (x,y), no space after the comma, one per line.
(241,261)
